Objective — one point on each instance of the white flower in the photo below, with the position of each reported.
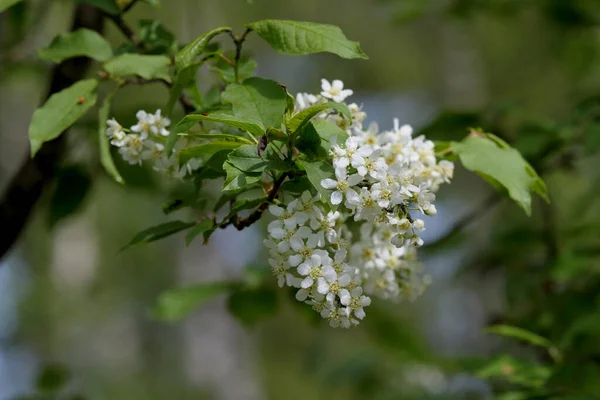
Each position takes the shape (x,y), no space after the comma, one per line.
(155,151)
(324,225)
(373,165)
(305,100)
(289,216)
(342,186)
(311,269)
(355,301)
(303,249)
(145,120)
(335,90)
(159,124)
(352,152)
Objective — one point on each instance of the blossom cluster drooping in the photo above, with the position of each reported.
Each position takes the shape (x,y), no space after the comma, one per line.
(379,178)
(146,141)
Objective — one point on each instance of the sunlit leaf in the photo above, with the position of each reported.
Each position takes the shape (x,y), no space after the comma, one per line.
(145,66)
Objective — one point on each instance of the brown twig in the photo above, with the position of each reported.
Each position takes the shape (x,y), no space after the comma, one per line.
(241,223)
(238,49)
(125,29)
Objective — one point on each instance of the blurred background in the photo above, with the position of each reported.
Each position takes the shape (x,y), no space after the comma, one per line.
(75,311)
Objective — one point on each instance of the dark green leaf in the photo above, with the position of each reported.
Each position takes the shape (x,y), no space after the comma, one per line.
(228,196)
(73,184)
(156,38)
(186,123)
(184,79)
(186,56)
(201,227)
(175,304)
(316,171)
(159,232)
(105,156)
(237,179)
(309,142)
(503,165)
(145,66)
(252,306)
(294,37)
(257,101)
(220,136)
(525,373)
(60,112)
(246,158)
(304,116)
(82,42)
(171,206)
(52,378)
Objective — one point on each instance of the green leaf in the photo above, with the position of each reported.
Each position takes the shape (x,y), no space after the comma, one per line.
(525,373)
(504,165)
(60,112)
(258,101)
(329,131)
(304,116)
(184,79)
(309,142)
(521,334)
(246,158)
(105,156)
(204,149)
(228,196)
(252,306)
(145,66)
(294,37)
(219,136)
(201,227)
(237,179)
(109,6)
(156,38)
(52,378)
(175,304)
(82,42)
(159,232)
(186,56)
(4,4)
(246,67)
(189,120)
(72,186)
(316,171)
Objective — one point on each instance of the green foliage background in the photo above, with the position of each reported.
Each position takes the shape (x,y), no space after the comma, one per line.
(525,70)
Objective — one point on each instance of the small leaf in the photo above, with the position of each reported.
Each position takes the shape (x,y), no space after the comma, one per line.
(159,232)
(504,165)
(145,66)
(257,101)
(156,38)
(521,334)
(171,206)
(228,196)
(82,42)
(4,4)
(60,112)
(201,227)
(109,6)
(316,171)
(105,156)
(294,37)
(309,142)
(219,136)
(525,373)
(237,179)
(186,56)
(73,185)
(246,159)
(252,306)
(329,131)
(184,79)
(175,304)
(304,116)
(205,149)
(52,378)
(246,67)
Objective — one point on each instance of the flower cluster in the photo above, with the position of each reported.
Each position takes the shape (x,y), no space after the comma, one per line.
(380,177)
(146,141)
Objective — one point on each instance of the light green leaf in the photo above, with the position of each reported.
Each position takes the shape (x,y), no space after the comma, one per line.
(105,156)
(109,6)
(201,227)
(295,37)
(329,131)
(4,4)
(191,119)
(159,232)
(145,66)
(186,56)
(175,304)
(82,42)
(503,165)
(205,149)
(218,136)
(316,171)
(60,112)
(226,72)
(521,334)
(257,101)
(304,116)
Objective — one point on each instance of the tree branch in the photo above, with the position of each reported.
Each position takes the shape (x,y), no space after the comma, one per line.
(30,181)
